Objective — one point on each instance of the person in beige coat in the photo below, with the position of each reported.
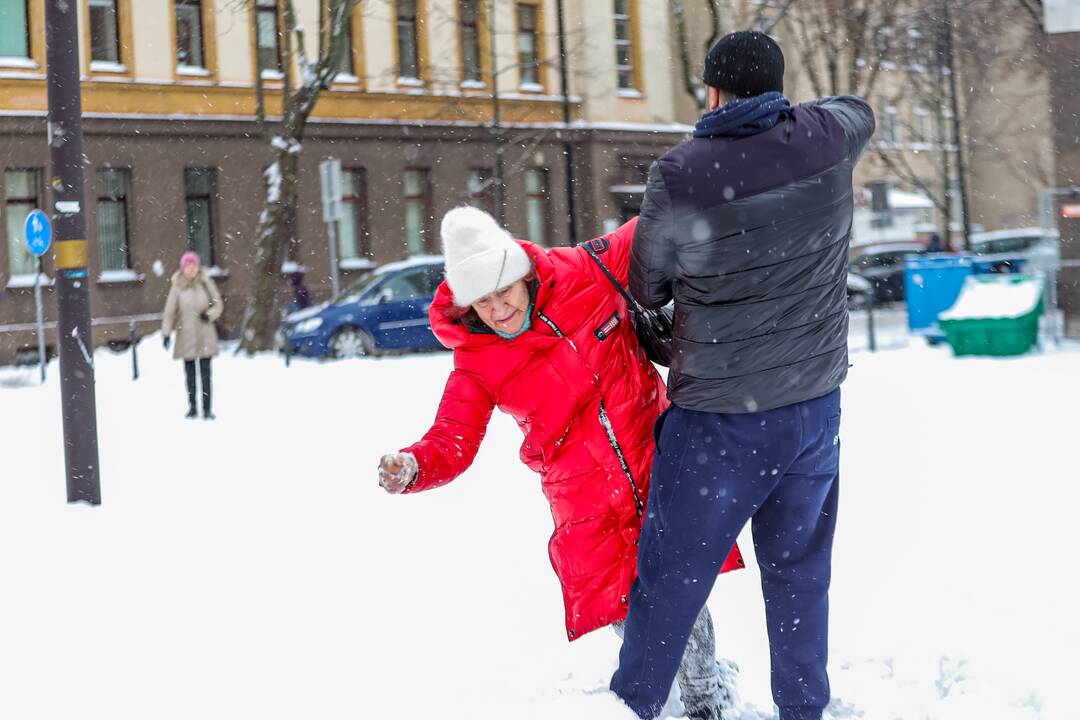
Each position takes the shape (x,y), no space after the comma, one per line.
(193,306)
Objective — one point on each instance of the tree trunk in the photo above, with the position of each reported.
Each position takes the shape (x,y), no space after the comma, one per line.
(263,312)
(276,236)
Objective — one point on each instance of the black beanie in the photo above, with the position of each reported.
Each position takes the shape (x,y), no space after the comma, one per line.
(745,64)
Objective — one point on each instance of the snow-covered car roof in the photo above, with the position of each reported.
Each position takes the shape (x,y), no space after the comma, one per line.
(414,261)
(1014,233)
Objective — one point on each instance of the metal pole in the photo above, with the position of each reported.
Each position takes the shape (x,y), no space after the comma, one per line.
(42,359)
(568,146)
(870,322)
(73,297)
(335,277)
(134,352)
(496,125)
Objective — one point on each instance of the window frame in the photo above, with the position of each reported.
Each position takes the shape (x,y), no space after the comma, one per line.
(13,60)
(208,22)
(37,199)
(211,211)
(257,10)
(428,242)
(633,43)
(891,119)
(540,84)
(483,199)
(419,41)
(922,138)
(543,196)
(34,62)
(359,203)
(125,45)
(482,47)
(126,204)
(355,50)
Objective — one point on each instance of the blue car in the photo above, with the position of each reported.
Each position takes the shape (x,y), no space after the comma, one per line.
(385,311)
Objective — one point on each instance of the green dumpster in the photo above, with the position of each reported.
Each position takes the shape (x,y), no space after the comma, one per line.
(995,315)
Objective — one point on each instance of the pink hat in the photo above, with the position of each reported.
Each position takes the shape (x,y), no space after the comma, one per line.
(190,258)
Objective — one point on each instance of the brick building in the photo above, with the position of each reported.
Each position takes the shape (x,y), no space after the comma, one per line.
(1063,30)
(174,157)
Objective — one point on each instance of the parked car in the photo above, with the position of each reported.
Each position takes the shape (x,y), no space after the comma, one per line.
(883,267)
(1016,250)
(384,311)
(858,291)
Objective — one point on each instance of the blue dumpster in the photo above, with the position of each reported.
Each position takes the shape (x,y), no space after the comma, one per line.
(932,284)
(997,264)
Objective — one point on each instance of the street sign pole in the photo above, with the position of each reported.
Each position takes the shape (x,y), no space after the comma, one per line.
(40,319)
(65,139)
(37,233)
(330,183)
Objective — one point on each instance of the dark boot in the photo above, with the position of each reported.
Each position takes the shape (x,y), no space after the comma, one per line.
(207,389)
(189,372)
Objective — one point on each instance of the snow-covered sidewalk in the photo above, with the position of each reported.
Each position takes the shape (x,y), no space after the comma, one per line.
(252,568)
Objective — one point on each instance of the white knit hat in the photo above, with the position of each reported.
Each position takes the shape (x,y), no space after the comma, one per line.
(481,257)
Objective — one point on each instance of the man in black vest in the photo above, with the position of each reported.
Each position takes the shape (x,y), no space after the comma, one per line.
(746,228)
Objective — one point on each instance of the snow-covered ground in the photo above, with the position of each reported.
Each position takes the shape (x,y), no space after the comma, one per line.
(252,568)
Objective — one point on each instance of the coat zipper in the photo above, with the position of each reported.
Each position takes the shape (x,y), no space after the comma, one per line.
(605,421)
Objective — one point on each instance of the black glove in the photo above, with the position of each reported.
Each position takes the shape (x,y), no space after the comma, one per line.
(204,316)
(166,341)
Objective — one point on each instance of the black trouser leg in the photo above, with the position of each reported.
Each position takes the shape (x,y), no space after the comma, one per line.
(204,371)
(189,371)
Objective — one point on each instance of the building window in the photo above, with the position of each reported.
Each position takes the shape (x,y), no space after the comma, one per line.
(471,66)
(481,190)
(417,212)
(922,130)
(347,65)
(949,130)
(536,200)
(200,189)
(189,34)
(354,236)
(112,212)
(104,31)
(268,36)
(21,195)
(624,46)
(890,124)
(528,17)
(14,29)
(408,40)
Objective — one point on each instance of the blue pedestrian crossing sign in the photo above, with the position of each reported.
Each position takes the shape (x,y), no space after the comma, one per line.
(38,233)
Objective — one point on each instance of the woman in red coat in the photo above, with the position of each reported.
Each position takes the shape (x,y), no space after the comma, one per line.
(544,336)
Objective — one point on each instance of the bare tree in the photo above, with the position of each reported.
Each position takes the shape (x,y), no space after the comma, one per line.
(724,16)
(952,51)
(277,222)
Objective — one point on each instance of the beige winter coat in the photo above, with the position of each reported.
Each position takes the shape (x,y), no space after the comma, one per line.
(195,338)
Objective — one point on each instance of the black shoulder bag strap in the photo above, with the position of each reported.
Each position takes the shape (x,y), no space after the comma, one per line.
(630,301)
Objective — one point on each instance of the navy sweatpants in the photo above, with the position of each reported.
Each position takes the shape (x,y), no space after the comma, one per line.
(712,474)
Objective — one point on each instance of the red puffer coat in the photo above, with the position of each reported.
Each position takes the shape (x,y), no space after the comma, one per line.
(585,396)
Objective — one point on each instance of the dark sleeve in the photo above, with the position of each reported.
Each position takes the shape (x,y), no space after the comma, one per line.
(857,119)
(652,253)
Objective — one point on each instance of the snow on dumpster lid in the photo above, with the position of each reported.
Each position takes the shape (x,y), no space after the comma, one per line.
(995,297)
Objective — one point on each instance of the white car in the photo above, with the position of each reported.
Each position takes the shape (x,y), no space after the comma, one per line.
(1037,246)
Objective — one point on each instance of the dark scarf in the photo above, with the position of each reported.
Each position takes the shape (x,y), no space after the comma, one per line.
(744,117)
